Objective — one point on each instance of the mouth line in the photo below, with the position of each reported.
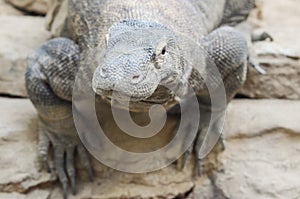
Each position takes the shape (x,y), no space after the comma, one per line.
(121,97)
(147,100)
(132,99)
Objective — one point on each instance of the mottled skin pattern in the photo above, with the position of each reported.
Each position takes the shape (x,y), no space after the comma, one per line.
(161,29)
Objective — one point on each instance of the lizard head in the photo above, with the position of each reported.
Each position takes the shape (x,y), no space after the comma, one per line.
(142,59)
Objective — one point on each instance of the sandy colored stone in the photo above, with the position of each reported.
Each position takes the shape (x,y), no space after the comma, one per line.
(7,9)
(203,190)
(19,35)
(266,166)
(40,194)
(18,143)
(35,6)
(56,18)
(262,149)
(261,159)
(250,118)
(281,58)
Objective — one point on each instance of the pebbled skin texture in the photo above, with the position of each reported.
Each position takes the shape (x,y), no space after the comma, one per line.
(165,30)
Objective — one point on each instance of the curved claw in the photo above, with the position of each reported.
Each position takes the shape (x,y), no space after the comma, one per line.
(85,161)
(65,190)
(199,170)
(257,67)
(71,168)
(183,159)
(44,144)
(222,142)
(262,37)
(62,164)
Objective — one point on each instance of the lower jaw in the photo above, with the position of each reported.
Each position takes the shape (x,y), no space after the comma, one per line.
(139,106)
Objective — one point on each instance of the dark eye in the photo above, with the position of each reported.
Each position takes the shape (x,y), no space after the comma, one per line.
(163,51)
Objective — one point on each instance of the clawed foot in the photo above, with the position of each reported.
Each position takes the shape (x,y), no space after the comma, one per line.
(257,67)
(62,163)
(261,37)
(181,162)
(255,38)
(222,142)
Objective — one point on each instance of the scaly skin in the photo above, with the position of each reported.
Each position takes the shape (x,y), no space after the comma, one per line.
(149,48)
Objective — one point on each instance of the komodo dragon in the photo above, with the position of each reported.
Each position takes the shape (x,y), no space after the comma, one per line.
(144,48)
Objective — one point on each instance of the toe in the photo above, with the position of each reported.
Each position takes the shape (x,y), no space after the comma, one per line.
(183,159)
(43,148)
(222,142)
(71,168)
(199,161)
(262,37)
(186,155)
(59,165)
(266,35)
(85,161)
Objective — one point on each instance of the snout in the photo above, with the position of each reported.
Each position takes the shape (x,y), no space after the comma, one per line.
(135,84)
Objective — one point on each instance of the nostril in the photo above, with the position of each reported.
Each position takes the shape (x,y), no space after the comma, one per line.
(136,78)
(103,72)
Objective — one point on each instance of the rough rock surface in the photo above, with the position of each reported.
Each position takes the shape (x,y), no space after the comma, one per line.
(19,35)
(261,161)
(18,150)
(264,166)
(6,9)
(56,17)
(34,6)
(281,58)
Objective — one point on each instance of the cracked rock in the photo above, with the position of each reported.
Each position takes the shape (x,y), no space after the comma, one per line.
(261,159)
(19,35)
(281,58)
(34,6)
(250,118)
(18,149)
(7,9)
(267,166)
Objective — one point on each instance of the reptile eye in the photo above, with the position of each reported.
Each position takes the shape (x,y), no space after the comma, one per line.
(164,50)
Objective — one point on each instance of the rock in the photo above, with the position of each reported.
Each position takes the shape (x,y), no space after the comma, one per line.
(7,9)
(34,194)
(34,6)
(18,149)
(261,159)
(281,58)
(56,18)
(265,166)
(203,189)
(250,118)
(19,171)
(282,79)
(262,149)
(19,35)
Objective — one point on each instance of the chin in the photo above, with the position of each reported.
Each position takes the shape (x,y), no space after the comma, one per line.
(140,105)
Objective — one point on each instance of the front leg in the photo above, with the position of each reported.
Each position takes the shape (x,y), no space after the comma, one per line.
(236,11)
(49,81)
(227,51)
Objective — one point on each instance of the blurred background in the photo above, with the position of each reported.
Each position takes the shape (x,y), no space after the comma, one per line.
(262,131)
